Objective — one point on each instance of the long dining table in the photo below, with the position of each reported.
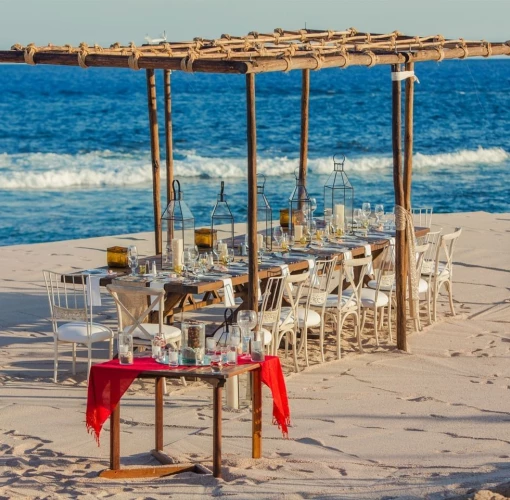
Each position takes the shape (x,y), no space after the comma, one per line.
(191,293)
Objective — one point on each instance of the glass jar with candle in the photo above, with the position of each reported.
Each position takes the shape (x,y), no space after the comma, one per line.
(192,342)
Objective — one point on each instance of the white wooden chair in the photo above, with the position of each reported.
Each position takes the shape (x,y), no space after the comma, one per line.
(442,274)
(134,305)
(422,216)
(269,316)
(72,316)
(378,294)
(347,302)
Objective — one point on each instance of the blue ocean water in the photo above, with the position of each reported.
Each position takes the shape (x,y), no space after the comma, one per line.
(75,151)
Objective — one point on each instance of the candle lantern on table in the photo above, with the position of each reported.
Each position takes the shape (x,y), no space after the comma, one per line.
(264,213)
(192,342)
(300,207)
(177,229)
(222,220)
(339,196)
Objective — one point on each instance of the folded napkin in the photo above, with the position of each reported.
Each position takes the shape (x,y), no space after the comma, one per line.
(95,292)
(228,293)
(311,264)
(368,253)
(347,255)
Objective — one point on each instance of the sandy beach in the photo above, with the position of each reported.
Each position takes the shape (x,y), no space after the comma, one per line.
(432,423)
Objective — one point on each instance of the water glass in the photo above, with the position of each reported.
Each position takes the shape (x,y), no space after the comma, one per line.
(125,347)
(365,208)
(277,235)
(257,350)
(379,212)
(216,363)
(173,356)
(133,258)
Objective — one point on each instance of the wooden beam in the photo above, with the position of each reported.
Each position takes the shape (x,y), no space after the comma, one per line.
(168,135)
(400,262)
(156,174)
(408,169)
(305,105)
(255,65)
(253,280)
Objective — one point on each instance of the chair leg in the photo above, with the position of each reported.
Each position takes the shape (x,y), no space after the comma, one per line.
(305,336)
(389,320)
(110,348)
(363,318)
(74,358)
(375,328)
(449,285)
(339,325)
(89,363)
(321,340)
(55,361)
(294,351)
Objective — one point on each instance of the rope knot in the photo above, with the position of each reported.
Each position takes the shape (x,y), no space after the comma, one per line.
(133,59)
(373,58)
(29,54)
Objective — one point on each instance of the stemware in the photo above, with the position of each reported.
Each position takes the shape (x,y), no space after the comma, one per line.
(133,258)
(246,320)
(365,207)
(277,235)
(313,206)
(356,216)
(379,212)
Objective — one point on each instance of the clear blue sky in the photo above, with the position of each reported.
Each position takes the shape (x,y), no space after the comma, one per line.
(108,21)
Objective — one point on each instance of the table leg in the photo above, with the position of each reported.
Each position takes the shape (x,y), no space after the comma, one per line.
(159,413)
(256,443)
(217,392)
(115,438)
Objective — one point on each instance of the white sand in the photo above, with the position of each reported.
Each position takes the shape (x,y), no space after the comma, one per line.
(433,423)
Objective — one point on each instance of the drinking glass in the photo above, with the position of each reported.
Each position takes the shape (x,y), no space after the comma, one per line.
(216,361)
(133,258)
(246,320)
(356,216)
(230,256)
(365,207)
(277,235)
(379,212)
(313,206)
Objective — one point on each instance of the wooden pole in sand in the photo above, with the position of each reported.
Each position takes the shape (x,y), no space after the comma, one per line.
(168,136)
(305,106)
(252,194)
(400,263)
(156,182)
(408,166)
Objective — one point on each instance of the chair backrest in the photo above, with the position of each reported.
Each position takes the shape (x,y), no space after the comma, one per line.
(318,289)
(269,313)
(67,296)
(420,250)
(294,286)
(444,253)
(132,321)
(353,272)
(432,238)
(385,273)
(422,216)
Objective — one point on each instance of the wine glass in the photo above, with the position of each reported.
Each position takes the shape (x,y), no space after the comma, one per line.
(365,207)
(230,256)
(379,212)
(133,258)
(246,320)
(356,216)
(277,235)
(313,206)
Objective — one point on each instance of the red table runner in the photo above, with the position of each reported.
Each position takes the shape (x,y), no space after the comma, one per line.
(110,380)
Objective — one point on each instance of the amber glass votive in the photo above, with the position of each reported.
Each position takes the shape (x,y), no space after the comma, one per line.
(204,238)
(284,217)
(117,257)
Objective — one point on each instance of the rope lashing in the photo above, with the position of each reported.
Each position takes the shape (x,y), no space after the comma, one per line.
(320,60)
(187,62)
(440,51)
(404,222)
(373,58)
(331,34)
(29,53)
(488,46)
(82,56)
(347,59)
(133,60)
(288,60)
(464,47)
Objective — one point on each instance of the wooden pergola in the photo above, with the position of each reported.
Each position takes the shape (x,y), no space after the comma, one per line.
(281,51)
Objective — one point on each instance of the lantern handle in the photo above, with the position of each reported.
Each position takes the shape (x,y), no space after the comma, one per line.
(222,189)
(335,160)
(178,190)
(263,176)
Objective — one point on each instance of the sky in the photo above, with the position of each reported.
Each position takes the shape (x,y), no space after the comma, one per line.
(107,21)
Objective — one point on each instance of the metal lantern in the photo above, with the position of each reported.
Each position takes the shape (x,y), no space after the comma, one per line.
(264,213)
(177,223)
(300,206)
(339,195)
(222,219)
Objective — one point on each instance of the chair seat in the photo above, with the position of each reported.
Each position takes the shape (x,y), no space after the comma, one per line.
(369,300)
(313,318)
(332,301)
(77,332)
(372,284)
(170,333)
(268,336)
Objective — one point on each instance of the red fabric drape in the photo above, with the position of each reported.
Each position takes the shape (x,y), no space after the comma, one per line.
(109,381)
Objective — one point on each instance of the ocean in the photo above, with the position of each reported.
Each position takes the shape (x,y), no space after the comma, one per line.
(75,149)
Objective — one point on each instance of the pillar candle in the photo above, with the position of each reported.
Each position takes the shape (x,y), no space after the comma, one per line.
(177,249)
(260,241)
(298,232)
(222,249)
(339,214)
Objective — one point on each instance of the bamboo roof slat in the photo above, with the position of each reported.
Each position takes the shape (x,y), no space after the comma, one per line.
(281,50)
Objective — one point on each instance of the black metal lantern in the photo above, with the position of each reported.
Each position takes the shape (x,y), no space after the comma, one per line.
(177,229)
(339,195)
(222,219)
(300,207)
(264,213)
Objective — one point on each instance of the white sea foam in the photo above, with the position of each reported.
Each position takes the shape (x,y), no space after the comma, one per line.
(104,168)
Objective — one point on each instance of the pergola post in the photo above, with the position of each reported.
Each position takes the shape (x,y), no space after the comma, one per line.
(154,133)
(305,106)
(253,280)
(168,135)
(408,164)
(400,249)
